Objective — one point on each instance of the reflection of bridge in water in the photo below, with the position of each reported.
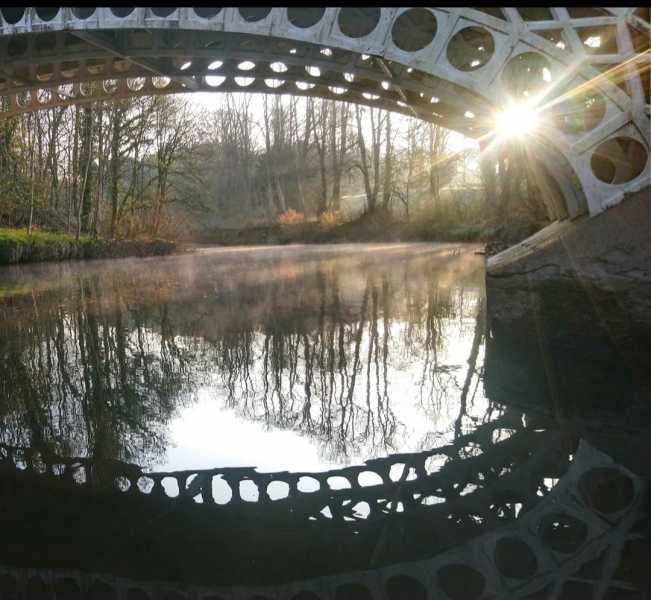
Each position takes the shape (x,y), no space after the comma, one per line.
(511,510)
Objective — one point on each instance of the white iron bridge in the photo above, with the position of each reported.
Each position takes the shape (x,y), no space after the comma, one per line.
(583,71)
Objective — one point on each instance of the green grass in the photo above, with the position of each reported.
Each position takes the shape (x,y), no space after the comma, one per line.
(16,246)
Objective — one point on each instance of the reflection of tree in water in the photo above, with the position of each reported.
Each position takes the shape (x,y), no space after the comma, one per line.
(99,368)
(323,365)
(83,376)
(322,369)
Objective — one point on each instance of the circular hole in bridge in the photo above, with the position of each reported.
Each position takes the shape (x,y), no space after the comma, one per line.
(207,13)
(606,490)
(362,510)
(244,81)
(618,160)
(12,15)
(65,91)
(122,483)
(396,471)
(278,490)
(366,478)
(214,80)
(461,582)
(135,84)
(303,18)
(526,74)
(470,48)
(163,12)
(308,484)
(95,67)
(338,482)
(562,533)
(182,64)
(111,86)
(353,591)
(404,587)
(121,11)
(514,559)
(253,15)
(46,13)
(84,12)
(171,486)
(145,484)
(87,88)
(249,491)
(160,82)
(414,29)
(274,83)
(358,22)
(278,67)
(578,111)
(137,594)
(23,99)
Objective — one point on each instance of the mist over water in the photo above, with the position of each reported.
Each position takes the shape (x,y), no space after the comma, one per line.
(293,358)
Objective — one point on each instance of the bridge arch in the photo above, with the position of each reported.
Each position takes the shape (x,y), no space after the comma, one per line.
(585,69)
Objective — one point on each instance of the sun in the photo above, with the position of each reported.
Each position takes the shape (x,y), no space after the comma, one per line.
(516,120)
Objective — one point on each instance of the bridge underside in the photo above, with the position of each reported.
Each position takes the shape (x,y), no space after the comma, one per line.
(585,70)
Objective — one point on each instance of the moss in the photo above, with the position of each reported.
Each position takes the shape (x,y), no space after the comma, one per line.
(16,246)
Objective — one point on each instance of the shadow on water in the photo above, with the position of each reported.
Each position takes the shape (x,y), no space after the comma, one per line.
(371,358)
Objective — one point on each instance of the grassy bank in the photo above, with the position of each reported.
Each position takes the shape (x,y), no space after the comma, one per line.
(373,228)
(16,246)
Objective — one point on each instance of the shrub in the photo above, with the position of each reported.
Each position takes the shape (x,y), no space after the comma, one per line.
(290,217)
(329,218)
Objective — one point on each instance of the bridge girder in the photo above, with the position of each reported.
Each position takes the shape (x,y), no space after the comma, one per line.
(587,70)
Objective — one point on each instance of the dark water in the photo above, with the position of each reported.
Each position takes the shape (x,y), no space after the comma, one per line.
(365,385)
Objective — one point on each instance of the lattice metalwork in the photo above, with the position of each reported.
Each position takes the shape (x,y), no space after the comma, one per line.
(485,475)
(587,517)
(586,69)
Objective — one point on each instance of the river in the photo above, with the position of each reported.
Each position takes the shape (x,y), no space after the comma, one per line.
(328,360)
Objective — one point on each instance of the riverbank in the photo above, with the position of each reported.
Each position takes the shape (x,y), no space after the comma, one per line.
(370,228)
(17,247)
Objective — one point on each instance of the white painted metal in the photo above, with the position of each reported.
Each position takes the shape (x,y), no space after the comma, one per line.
(586,69)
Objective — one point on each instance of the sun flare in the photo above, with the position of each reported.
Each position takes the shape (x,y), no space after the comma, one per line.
(516,120)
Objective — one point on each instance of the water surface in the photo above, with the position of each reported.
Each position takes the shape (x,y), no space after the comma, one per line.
(294,358)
